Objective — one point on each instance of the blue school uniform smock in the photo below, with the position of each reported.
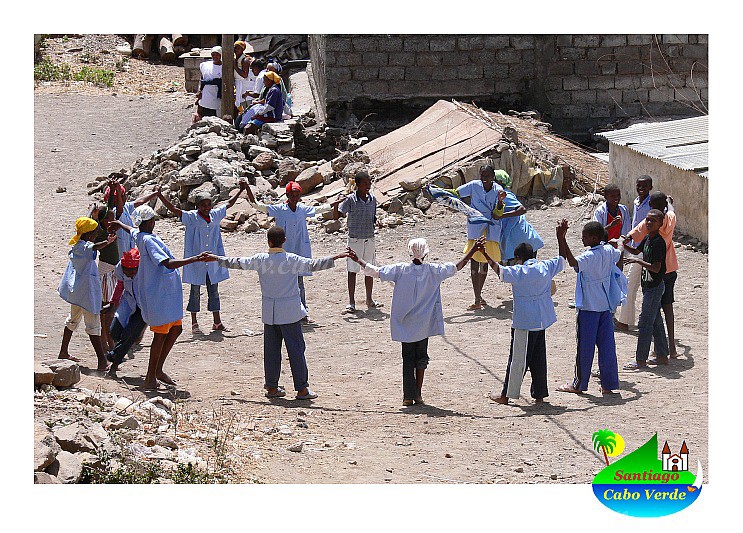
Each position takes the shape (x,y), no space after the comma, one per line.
(203,236)
(515,230)
(158,288)
(484,202)
(80,283)
(128,303)
(295,226)
(531,282)
(277,274)
(596,275)
(416,312)
(124,240)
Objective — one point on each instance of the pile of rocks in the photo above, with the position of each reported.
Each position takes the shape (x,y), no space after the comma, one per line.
(75,428)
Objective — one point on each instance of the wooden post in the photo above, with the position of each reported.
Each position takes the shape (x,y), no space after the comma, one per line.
(228,75)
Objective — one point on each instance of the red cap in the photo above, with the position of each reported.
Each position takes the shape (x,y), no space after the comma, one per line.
(130,259)
(293,186)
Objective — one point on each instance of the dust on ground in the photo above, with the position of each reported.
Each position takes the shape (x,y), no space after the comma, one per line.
(357,430)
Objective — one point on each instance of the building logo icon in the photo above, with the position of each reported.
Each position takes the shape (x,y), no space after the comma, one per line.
(642,484)
(677,462)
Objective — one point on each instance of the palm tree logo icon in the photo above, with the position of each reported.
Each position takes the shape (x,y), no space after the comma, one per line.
(610,443)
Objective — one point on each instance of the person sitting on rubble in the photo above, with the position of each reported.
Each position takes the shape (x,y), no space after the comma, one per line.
(277,68)
(272,106)
(209,97)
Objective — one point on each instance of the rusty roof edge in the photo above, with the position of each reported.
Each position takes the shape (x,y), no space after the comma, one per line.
(698,170)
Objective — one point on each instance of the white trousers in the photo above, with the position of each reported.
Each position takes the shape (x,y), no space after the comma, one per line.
(626,313)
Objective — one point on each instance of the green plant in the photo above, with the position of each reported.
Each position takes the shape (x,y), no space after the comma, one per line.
(48,71)
(65,38)
(100,76)
(188,474)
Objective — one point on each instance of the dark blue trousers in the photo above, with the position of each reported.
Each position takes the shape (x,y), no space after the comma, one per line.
(125,337)
(292,336)
(596,329)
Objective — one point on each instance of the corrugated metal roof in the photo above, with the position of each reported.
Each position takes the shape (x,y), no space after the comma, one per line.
(682,143)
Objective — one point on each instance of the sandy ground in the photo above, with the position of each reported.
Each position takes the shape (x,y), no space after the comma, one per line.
(358,431)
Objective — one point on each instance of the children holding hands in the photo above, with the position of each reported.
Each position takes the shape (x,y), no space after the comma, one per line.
(203,235)
(416,312)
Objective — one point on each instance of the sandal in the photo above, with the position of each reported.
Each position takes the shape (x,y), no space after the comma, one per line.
(419,401)
(474,307)
(219,327)
(569,388)
(308,396)
(658,361)
(596,373)
(350,308)
(70,358)
(374,304)
(280,393)
(407,403)
(634,366)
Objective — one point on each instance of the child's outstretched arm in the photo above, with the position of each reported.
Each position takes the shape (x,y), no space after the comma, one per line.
(630,249)
(562,230)
(178,263)
(144,199)
(335,204)
(233,199)
(481,246)
(462,262)
(173,209)
(120,225)
(102,244)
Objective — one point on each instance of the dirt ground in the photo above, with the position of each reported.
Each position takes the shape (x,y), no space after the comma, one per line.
(357,430)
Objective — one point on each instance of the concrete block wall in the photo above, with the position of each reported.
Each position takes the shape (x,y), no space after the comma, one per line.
(576,81)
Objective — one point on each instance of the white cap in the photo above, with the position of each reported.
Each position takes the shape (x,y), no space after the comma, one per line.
(418,248)
(217,49)
(142,213)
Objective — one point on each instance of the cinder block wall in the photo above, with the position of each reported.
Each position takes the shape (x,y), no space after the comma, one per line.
(576,81)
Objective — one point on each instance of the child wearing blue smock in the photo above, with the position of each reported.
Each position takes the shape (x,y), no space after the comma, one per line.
(159,292)
(292,217)
(115,196)
(533,313)
(81,288)
(487,198)
(203,235)
(416,312)
(514,227)
(599,289)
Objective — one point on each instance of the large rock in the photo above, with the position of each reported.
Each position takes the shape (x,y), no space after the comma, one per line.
(68,468)
(411,184)
(192,175)
(42,478)
(66,372)
(228,225)
(212,141)
(212,167)
(262,185)
(129,422)
(395,207)
(277,129)
(309,179)
(43,375)
(45,447)
(225,184)
(332,226)
(287,171)
(422,203)
(263,161)
(83,436)
(207,187)
(255,150)
(241,210)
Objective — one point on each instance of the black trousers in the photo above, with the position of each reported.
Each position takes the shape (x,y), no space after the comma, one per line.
(528,352)
(414,355)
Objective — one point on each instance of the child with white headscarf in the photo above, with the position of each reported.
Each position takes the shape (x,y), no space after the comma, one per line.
(416,312)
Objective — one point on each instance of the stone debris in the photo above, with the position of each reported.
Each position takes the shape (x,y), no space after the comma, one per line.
(66,372)
(45,447)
